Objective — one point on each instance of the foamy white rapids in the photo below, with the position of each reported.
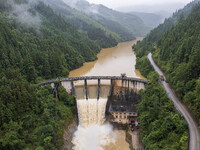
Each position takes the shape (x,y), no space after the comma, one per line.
(92,134)
(94,137)
(91,111)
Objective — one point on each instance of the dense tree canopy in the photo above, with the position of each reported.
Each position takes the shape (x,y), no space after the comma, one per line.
(30,117)
(45,47)
(162,126)
(177,51)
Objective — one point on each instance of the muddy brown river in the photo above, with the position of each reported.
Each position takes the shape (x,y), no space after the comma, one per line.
(111,62)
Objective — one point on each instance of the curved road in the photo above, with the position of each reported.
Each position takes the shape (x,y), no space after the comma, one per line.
(193,128)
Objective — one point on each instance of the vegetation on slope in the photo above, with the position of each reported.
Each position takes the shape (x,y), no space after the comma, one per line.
(181,61)
(177,52)
(30,118)
(149,42)
(86,25)
(128,26)
(49,49)
(37,44)
(175,47)
(162,127)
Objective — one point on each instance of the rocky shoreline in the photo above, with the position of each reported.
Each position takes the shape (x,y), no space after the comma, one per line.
(68,134)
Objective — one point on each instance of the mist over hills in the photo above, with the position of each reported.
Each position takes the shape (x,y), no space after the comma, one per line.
(113,20)
(84,24)
(169,8)
(152,15)
(149,19)
(41,40)
(45,39)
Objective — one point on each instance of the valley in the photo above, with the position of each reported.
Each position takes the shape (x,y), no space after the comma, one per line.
(77,74)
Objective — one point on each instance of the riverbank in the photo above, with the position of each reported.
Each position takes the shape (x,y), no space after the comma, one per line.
(68,134)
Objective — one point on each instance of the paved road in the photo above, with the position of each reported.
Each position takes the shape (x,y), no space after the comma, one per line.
(193,128)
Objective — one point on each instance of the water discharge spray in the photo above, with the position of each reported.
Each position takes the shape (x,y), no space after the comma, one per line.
(92,133)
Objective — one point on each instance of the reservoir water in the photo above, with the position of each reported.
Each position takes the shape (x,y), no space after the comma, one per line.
(111,62)
(93,133)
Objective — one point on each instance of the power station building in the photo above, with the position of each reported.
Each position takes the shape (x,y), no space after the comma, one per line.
(123,112)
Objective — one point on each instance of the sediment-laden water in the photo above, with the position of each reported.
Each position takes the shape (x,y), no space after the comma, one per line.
(93,133)
(111,62)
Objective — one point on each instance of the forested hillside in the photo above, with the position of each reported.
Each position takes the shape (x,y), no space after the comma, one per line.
(162,127)
(88,26)
(177,51)
(153,37)
(37,43)
(51,46)
(126,25)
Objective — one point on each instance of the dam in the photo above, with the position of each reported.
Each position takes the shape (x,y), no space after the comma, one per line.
(92,85)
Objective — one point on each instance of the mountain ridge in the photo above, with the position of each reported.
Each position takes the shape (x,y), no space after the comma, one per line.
(132,23)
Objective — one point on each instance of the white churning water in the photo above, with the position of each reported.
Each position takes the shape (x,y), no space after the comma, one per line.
(92,132)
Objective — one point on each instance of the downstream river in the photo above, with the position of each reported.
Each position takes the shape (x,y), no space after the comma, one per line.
(111,62)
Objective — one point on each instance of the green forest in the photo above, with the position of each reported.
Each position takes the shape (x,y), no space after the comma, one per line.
(30,117)
(43,46)
(177,51)
(162,126)
(90,27)
(38,42)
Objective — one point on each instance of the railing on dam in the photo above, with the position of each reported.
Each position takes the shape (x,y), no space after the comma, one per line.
(94,78)
(68,83)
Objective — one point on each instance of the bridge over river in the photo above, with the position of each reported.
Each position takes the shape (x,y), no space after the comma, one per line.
(68,83)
